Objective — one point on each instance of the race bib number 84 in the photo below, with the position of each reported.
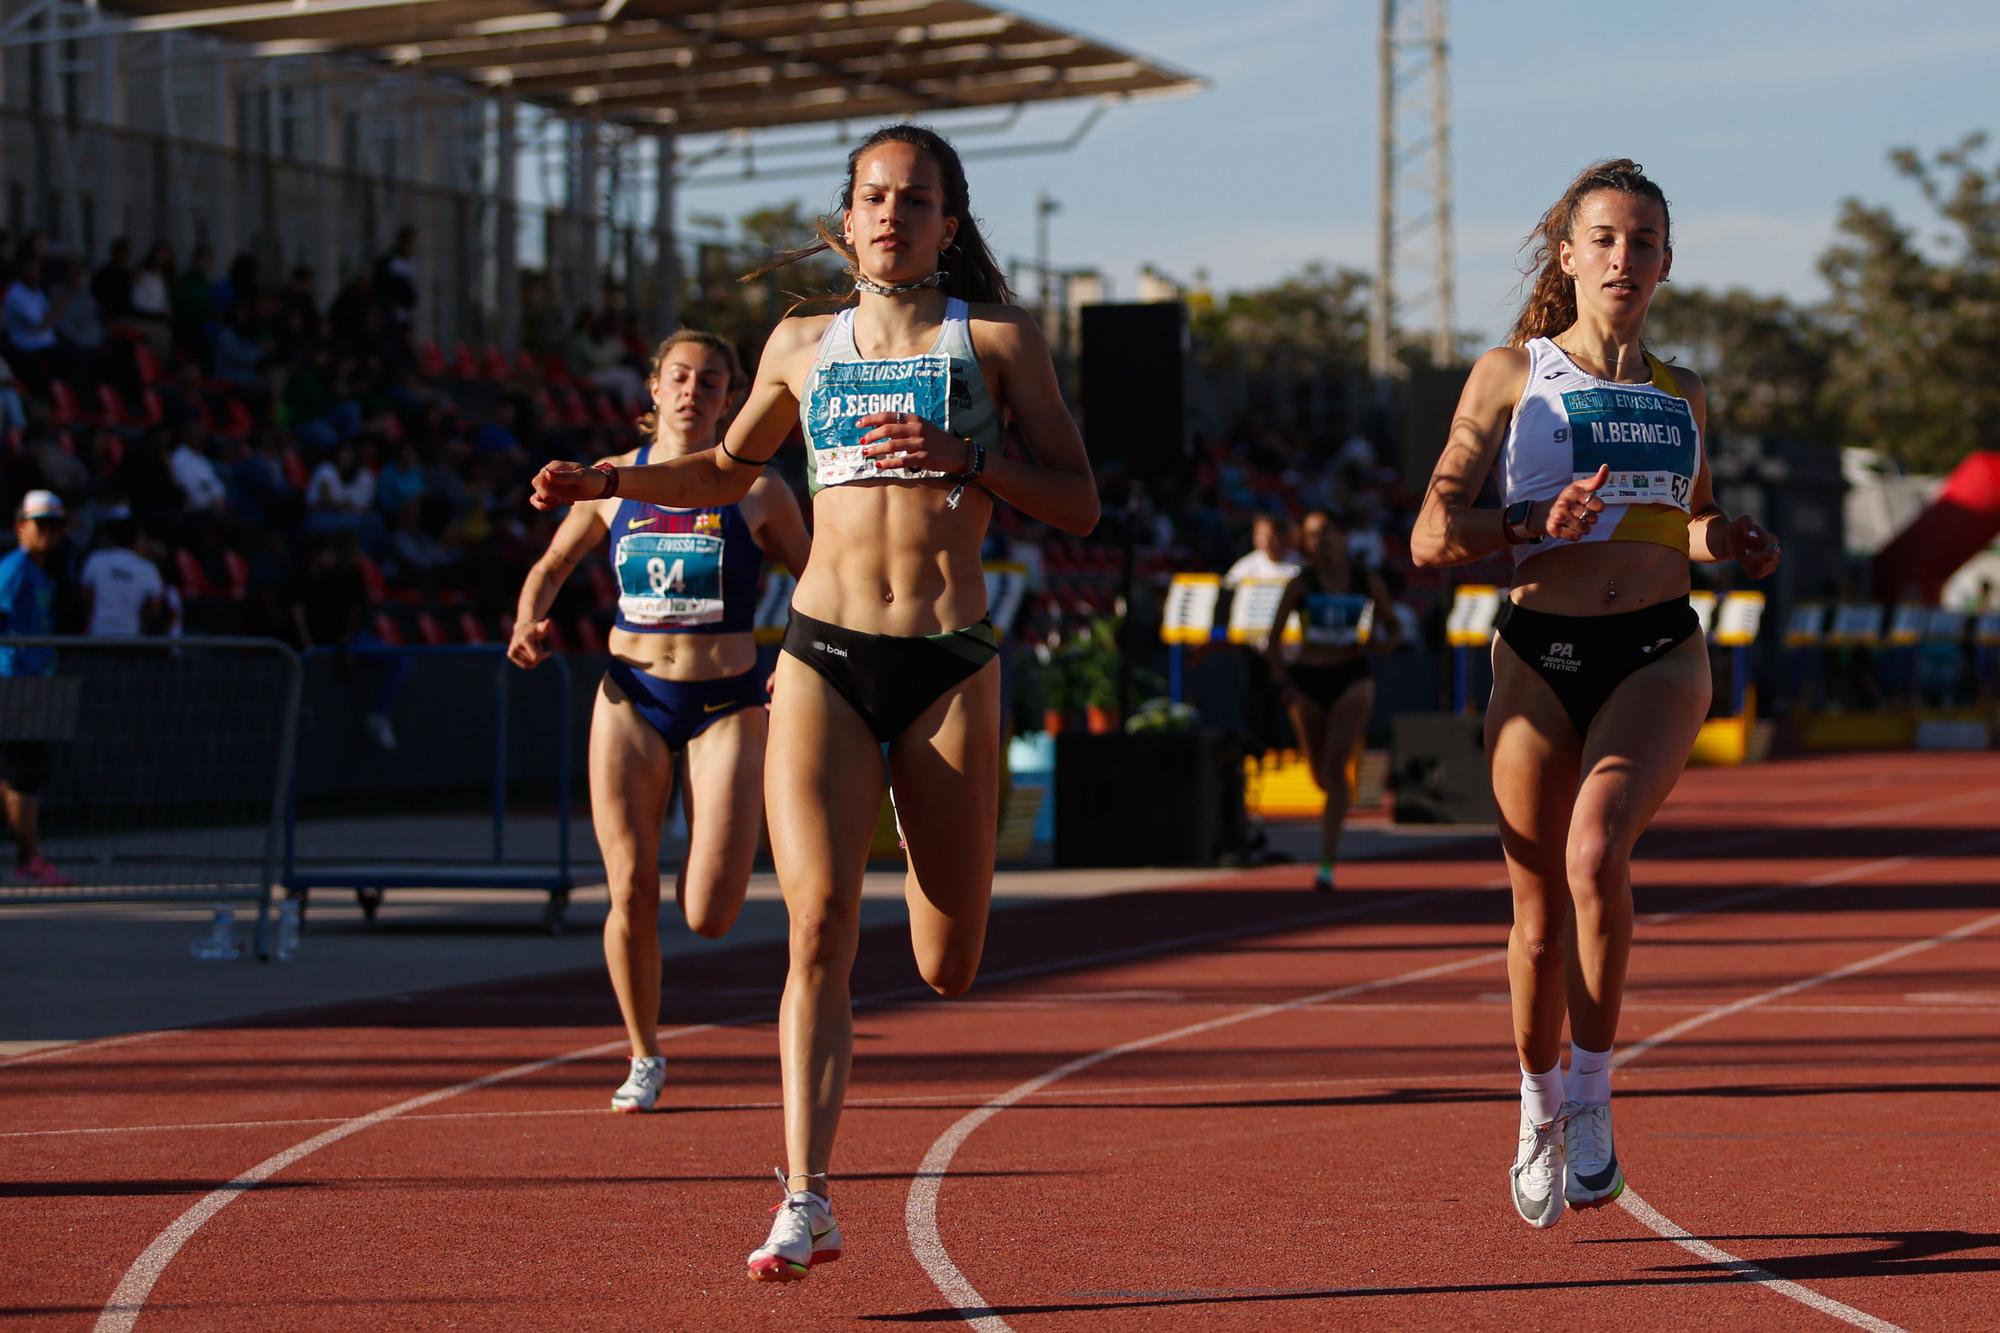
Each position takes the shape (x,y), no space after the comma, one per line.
(1646,439)
(670,578)
(844,392)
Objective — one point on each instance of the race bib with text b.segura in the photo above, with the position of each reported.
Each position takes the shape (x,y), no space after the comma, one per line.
(670,578)
(844,392)
(1646,439)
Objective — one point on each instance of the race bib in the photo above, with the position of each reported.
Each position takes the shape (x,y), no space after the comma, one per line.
(1337,619)
(844,392)
(670,578)
(1646,439)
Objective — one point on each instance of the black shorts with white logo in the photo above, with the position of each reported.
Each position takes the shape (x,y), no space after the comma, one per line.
(1585,658)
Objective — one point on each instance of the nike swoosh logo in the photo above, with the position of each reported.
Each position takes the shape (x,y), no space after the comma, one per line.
(1656,646)
(631,523)
(717,708)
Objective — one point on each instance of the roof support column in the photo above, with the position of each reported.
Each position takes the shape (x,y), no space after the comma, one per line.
(507,225)
(667,263)
(583,213)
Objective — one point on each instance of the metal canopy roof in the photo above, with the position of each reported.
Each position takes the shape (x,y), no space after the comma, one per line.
(695,67)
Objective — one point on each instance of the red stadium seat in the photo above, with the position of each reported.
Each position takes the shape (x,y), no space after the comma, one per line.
(557,371)
(63,407)
(608,414)
(237,422)
(470,629)
(152,411)
(193,578)
(430,360)
(110,456)
(147,363)
(296,474)
(575,414)
(387,630)
(497,368)
(602,587)
(527,366)
(238,570)
(111,409)
(463,366)
(371,578)
(429,631)
(558,641)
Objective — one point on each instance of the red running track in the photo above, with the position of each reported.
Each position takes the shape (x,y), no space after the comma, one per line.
(1227,1104)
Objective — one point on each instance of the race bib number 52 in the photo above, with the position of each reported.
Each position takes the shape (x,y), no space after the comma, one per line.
(844,392)
(1646,439)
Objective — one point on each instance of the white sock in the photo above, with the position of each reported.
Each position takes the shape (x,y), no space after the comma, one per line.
(1542,1094)
(1589,1075)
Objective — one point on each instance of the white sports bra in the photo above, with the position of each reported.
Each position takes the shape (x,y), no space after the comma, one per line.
(1568,423)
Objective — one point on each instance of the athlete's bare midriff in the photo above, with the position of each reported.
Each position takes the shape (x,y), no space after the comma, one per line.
(685,657)
(1600,578)
(892,557)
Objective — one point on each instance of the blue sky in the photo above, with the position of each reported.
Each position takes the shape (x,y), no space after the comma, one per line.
(1757,116)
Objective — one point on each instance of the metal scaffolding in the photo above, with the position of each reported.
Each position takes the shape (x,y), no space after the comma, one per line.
(1413,184)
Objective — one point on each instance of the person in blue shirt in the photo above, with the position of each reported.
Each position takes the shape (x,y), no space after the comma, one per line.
(27,607)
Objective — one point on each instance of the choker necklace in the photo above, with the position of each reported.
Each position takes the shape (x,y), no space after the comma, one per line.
(873,288)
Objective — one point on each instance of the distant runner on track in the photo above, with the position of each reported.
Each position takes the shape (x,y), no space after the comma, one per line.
(1600,671)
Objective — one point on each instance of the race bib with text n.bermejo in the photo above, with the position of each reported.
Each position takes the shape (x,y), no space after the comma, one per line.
(1646,439)
(670,578)
(844,392)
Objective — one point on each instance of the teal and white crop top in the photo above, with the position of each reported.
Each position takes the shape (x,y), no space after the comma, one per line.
(943,386)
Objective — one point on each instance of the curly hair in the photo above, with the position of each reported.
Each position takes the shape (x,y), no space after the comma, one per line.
(970,271)
(649,424)
(1551,305)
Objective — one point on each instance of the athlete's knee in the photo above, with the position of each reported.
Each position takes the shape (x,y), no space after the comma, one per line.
(822,936)
(1598,869)
(1538,944)
(635,895)
(950,972)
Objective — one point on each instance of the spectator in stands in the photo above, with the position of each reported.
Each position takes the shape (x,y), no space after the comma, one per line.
(112,283)
(413,550)
(13,413)
(126,594)
(319,398)
(240,288)
(340,497)
(195,472)
(496,438)
(27,607)
(356,317)
(267,602)
(259,493)
(193,302)
(146,479)
(396,281)
(241,349)
(28,317)
(597,357)
(297,317)
(79,328)
(150,309)
(331,612)
(1271,555)
(400,483)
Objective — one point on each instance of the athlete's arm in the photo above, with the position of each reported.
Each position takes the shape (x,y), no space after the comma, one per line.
(1712,535)
(776,523)
(1054,483)
(1449,531)
(720,476)
(581,529)
(1388,632)
(1274,640)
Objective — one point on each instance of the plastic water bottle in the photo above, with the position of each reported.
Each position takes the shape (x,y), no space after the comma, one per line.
(221,942)
(288,930)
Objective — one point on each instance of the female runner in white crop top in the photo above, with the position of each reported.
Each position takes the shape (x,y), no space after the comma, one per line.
(896,579)
(1600,672)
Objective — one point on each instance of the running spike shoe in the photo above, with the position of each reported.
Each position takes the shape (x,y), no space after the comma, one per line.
(803,1235)
(1535,1181)
(641,1089)
(1593,1177)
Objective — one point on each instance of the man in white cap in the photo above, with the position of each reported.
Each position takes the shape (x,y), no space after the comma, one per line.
(27,606)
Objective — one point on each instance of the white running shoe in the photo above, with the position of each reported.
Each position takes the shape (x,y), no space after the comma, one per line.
(641,1088)
(1536,1179)
(1594,1177)
(803,1236)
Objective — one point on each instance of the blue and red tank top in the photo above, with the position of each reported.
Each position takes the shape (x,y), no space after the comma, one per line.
(683,571)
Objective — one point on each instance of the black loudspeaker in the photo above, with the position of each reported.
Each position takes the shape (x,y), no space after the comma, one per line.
(1159,798)
(1134,367)
(1437,766)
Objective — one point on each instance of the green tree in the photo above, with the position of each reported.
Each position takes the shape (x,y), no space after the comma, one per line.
(1762,359)
(716,297)
(1320,313)
(1916,369)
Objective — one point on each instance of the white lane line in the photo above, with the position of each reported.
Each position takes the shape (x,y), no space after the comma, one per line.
(1960,848)
(123,1309)
(1665,1227)
(920,1209)
(83,1047)
(1743,1268)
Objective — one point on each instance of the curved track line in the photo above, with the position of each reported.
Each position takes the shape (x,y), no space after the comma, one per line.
(122,1310)
(920,1211)
(920,1208)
